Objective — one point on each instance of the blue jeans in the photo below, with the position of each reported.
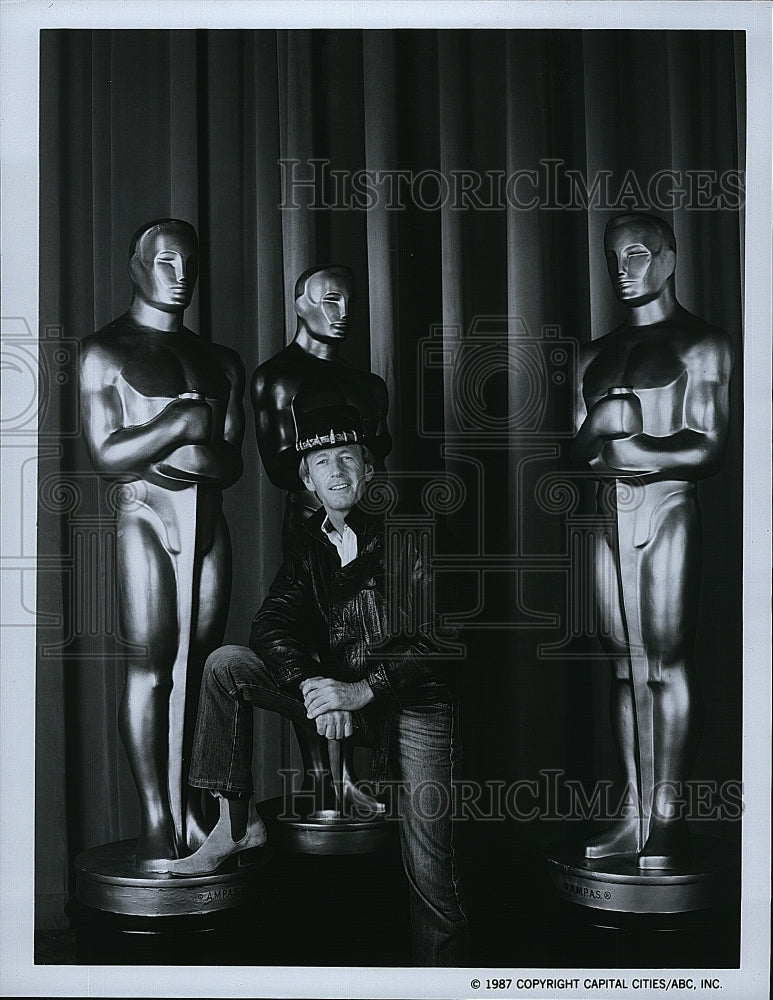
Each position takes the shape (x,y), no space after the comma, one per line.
(423,750)
(423,753)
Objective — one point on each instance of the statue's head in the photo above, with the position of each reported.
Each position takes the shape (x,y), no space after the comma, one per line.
(164,264)
(641,256)
(322,302)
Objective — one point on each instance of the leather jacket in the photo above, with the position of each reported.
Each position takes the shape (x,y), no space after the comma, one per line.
(320,618)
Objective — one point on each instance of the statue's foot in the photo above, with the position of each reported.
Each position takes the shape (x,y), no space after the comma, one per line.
(220,845)
(622,838)
(155,849)
(667,846)
(355,800)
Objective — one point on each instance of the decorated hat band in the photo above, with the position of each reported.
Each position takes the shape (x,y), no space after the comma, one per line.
(330,439)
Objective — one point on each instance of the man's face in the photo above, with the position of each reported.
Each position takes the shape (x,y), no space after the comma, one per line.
(164,268)
(324,305)
(338,476)
(638,261)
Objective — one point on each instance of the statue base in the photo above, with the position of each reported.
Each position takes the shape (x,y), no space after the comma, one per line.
(327,832)
(108,879)
(616,885)
(124,916)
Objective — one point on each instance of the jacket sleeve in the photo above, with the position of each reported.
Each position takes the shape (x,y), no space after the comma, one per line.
(282,632)
(418,647)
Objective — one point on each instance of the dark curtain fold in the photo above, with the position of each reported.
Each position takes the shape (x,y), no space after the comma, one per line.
(206,126)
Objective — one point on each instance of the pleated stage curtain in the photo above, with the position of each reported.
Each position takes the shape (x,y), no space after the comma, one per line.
(255,138)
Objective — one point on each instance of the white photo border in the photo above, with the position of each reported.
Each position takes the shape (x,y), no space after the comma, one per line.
(20,24)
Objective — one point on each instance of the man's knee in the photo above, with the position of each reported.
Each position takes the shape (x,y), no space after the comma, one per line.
(221,664)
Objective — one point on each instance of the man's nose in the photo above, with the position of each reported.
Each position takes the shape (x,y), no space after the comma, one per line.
(180,270)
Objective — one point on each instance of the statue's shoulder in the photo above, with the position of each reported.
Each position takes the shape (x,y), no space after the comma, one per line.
(278,375)
(376,386)
(229,359)
(704,337)
(591,349)
(377,380)
(107,345)
(278,363)
(379,389)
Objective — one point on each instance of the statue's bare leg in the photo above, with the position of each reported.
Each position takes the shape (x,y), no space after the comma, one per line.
(329,775)
(147,602)
(317,779)
(351,798)
(671,573)
(623,836)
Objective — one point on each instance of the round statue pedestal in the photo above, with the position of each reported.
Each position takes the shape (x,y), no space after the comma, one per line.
(606,913)
(328,832)
(616,885)
(126,916)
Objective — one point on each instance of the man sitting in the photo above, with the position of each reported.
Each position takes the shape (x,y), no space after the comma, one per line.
(324,652)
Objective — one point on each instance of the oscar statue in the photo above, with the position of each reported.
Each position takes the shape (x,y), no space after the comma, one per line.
(651,421)
(162,414)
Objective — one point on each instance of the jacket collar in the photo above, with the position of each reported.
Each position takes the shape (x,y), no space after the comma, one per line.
(362,524)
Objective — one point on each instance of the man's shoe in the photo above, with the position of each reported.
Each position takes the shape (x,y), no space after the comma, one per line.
(220,845)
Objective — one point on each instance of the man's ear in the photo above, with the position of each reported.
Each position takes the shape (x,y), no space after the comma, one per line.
(307,482)
(369,472)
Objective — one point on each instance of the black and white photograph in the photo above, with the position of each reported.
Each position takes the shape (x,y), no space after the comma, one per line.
(386,426)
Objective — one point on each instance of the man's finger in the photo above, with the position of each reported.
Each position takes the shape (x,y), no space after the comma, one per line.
(348,728)
(316,706)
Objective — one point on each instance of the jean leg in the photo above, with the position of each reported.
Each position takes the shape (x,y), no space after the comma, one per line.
(423,753)
(234,680)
